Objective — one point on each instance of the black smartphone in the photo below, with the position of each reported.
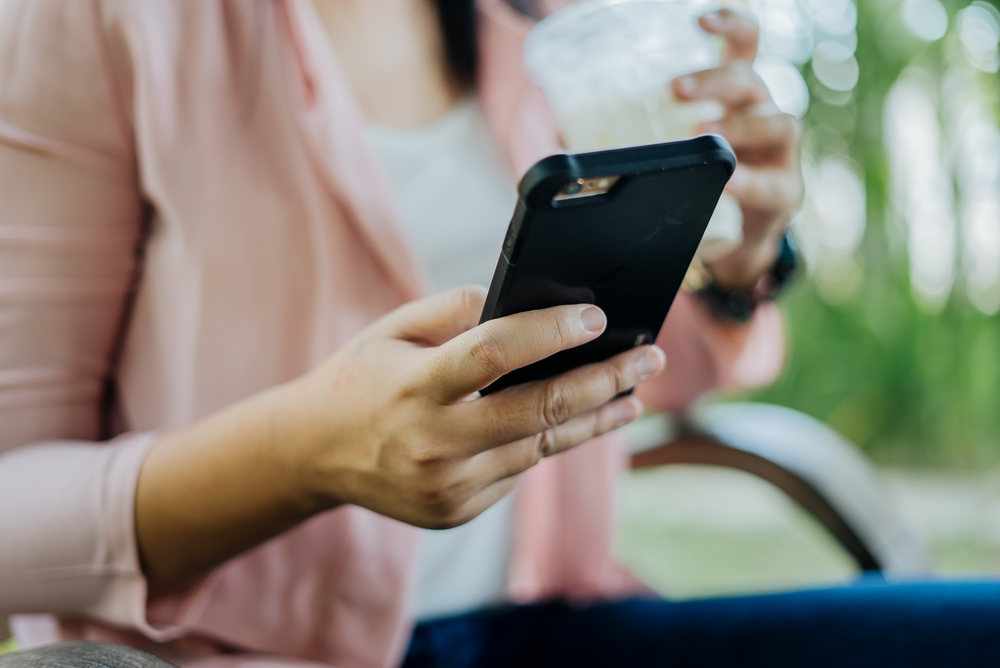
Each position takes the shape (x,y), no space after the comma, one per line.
(616,228)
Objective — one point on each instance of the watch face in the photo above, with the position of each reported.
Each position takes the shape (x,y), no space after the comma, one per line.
(788,261)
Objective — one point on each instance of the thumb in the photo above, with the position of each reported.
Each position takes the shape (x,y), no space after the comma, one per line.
(437,319)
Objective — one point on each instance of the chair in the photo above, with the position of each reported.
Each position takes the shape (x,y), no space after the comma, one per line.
(815,466)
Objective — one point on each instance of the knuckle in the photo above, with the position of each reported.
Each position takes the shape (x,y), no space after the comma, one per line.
(429,460)
(545,445)
(470,298)
(621,377)
(555,406)
(427,454)
(441,490)
(446,515)
(487,353)
(528,455)
(414,385)
(559,330)
(431,495)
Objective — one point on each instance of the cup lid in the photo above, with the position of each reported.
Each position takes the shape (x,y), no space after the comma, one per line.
(597,39)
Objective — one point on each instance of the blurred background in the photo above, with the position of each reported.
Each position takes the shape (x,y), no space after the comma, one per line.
(894,337)
(894,334)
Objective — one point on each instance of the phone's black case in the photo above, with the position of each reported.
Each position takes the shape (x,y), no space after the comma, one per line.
(626,251)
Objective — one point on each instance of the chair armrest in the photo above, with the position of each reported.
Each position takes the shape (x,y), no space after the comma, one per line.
(819,469)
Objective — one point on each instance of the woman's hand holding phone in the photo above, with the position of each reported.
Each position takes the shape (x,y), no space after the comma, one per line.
(396,425)
(392,422)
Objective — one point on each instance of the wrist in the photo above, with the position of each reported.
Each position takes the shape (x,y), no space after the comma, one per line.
(218,487)
(294,447)
(738,305)
(743,269)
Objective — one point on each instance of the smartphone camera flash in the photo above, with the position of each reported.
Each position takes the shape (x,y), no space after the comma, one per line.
(579,188)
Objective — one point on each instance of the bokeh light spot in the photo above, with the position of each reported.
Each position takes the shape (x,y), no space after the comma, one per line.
(926,19)
(786,84)
(835,66)
(979,31)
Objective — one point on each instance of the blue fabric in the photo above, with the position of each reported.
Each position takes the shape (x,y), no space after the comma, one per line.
(868,624)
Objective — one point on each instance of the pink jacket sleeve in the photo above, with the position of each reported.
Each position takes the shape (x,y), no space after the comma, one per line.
(70,222)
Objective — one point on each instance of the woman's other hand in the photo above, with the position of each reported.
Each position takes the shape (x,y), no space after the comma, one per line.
(768,181)
(393,422)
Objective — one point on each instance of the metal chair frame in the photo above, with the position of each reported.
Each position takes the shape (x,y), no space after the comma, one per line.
(817,468)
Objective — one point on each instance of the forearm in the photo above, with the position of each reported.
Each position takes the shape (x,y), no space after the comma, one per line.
(212,490)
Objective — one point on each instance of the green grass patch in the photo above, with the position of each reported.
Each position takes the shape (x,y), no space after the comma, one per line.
(692,532)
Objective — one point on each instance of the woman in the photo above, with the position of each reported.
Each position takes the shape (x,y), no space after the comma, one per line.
(223,414)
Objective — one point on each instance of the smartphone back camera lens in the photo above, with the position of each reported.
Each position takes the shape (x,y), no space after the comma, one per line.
(579,188)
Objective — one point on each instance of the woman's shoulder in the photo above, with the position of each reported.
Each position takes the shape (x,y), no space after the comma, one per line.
(188,29)
(54,77)
(72,72)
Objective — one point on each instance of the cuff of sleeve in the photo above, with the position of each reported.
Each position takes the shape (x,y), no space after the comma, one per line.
(86,564)
(124,601)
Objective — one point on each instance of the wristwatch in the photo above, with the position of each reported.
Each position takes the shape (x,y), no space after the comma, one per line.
(739,305)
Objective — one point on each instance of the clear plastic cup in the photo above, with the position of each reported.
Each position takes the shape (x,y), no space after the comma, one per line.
(606,67)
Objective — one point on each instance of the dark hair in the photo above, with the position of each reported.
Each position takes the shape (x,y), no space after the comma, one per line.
(461,43)
(461,46)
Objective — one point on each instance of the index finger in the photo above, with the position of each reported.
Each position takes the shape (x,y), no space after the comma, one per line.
(752,131)
(767,189)
(473,360)
(436,319)
(740,31)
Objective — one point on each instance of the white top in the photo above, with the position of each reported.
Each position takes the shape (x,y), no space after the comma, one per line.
(456,198)
(455,195)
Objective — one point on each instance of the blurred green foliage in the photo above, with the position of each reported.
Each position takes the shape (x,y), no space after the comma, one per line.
(909,387)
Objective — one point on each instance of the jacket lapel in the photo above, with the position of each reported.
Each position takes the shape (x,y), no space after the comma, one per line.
(518,114)
(335,134)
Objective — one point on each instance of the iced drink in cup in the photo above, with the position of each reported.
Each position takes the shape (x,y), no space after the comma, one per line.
(606,67)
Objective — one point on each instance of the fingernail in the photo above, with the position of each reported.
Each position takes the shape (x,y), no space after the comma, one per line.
(713,19)
(628,412)
(650,363)
(593,319)
(687,85)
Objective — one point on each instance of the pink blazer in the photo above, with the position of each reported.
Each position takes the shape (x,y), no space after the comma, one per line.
(189,214)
